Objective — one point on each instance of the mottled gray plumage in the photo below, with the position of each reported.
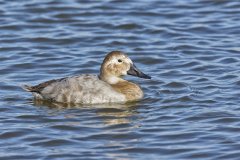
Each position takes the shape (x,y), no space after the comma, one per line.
(85,89)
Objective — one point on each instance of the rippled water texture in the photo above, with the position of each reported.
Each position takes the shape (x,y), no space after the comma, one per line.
(190,48)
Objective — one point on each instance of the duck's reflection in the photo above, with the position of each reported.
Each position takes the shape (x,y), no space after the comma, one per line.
(111,114)
(104,125)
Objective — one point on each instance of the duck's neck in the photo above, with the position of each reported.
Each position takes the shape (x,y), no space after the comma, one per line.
(110,79)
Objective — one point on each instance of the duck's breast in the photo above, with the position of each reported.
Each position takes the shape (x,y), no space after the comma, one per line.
(85,89)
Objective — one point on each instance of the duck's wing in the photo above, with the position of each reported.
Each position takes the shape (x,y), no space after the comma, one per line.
(86,89)
(38,88)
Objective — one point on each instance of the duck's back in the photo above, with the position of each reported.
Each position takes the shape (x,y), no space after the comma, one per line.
(85,89)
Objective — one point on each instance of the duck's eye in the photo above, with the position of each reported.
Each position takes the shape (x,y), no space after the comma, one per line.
(119,60)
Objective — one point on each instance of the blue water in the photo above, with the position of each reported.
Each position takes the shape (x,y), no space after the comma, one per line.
(191,106)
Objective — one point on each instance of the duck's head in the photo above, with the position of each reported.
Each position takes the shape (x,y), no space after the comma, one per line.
(115,65)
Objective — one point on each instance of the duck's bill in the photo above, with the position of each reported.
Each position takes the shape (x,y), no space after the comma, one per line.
(134,71)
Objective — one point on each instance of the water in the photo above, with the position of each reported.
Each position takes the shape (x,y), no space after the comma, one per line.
(191,105)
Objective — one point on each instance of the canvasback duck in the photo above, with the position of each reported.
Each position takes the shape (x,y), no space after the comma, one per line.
(108,87)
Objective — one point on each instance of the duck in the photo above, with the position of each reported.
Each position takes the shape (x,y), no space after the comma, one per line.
(107,87)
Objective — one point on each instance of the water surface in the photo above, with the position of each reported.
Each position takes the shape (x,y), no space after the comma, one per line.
(191,105)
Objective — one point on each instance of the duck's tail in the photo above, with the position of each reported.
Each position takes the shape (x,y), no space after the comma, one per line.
(27,88)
